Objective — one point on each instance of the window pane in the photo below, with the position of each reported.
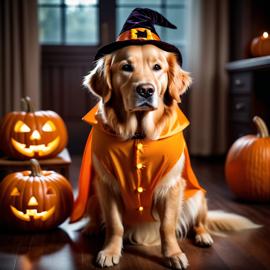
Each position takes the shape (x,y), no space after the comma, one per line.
(82,25)
(49,25)
(178,17)
(49,2)
(121,15)
(80,2)
(135,2)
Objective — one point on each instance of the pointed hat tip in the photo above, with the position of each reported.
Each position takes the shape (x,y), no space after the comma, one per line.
(146,17)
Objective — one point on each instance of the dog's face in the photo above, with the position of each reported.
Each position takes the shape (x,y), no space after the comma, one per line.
(141,78)
(139,74)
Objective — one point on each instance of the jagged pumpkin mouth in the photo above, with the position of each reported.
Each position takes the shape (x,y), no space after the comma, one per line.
(41,149)
(32,214)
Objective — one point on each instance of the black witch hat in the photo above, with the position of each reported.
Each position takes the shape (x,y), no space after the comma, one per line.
(139,30)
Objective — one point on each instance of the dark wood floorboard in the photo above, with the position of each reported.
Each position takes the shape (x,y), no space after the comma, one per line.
(66,249)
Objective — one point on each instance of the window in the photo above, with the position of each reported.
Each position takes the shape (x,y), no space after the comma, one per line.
(176,11)
(68,22)
(77,22)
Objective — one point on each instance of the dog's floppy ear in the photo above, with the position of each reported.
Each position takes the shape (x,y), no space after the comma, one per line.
(178,79)
(99,79)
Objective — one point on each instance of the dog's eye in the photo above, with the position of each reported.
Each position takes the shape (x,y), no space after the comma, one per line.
(127,67)
(157,67)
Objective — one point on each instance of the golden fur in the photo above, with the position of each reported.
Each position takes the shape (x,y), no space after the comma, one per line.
(115,80)
(114,86)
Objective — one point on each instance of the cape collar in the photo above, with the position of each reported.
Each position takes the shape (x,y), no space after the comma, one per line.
(177,123)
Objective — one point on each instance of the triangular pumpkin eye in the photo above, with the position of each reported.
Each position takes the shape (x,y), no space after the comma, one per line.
(15,192)
(20,126)
(49,126)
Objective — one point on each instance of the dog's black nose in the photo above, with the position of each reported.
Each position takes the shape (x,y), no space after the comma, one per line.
(145,90)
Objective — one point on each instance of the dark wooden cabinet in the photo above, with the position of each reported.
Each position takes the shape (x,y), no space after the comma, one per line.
(249,94)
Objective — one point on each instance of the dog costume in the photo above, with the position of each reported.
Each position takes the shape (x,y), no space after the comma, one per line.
(137,165)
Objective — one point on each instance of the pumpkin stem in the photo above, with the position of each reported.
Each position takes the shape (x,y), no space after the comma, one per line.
(261,127)
(35,168)
(27,104)
(24,105)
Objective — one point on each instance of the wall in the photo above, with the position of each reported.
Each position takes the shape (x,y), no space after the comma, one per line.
(248,19)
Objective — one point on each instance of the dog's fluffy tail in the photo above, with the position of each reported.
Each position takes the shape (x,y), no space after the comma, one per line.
(219,222)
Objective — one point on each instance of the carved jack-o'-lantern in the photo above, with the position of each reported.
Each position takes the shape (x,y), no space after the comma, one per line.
(35,200)
(29,134)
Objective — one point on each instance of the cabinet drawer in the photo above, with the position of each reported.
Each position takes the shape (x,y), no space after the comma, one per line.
(241,108)
(241,82)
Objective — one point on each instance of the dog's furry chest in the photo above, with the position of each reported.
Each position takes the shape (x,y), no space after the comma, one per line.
(137,166)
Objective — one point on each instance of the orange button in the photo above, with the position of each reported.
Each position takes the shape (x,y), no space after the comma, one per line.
(139,166)
(140,209)
(140,189)
(139,146)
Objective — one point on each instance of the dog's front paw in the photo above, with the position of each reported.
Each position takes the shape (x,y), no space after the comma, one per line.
(107,258)
(178,261)
(204,240)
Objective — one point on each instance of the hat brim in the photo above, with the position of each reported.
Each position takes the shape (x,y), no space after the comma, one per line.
(107,49)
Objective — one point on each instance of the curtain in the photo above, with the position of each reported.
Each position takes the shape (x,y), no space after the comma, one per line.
(208,54)
(19,54)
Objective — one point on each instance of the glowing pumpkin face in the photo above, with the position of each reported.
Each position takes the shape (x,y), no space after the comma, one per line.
(31,209)
(35,139)
(25,135)
(35,200)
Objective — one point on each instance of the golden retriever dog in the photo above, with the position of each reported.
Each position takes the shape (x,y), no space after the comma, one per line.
(139,88)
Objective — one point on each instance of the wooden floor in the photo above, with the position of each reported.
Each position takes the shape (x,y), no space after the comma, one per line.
(65,248)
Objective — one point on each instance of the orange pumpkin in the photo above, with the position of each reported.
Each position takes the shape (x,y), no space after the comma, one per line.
(35,200)
(260,46)
(247,165)
(32,134)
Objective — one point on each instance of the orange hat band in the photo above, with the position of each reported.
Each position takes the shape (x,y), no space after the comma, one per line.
(138,33)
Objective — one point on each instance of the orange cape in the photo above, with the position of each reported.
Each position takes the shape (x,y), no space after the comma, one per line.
(137,166)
